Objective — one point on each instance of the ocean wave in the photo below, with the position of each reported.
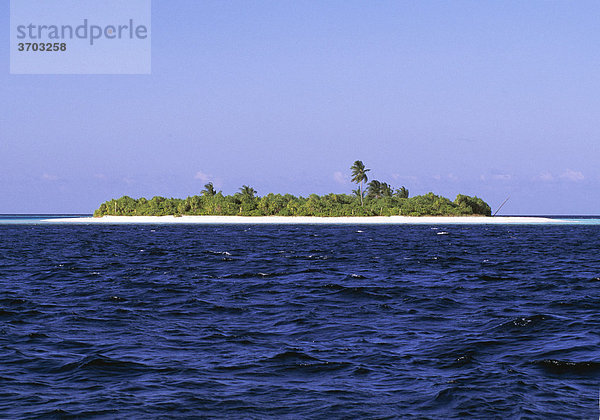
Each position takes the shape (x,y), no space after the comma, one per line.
(103,365)
(561,367)
(300,322)
(525,322)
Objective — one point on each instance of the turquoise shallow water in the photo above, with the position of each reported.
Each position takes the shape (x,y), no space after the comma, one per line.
(578,220)
(20,219)
(583,221)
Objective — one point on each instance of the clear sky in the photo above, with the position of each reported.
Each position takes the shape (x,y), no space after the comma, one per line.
(487,98)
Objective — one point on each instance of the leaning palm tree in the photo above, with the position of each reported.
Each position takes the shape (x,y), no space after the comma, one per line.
(402,192)
(374,189)
(385,190)
(359,175)
(209,190)
(247,191)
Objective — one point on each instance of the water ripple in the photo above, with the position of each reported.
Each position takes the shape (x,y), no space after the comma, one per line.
(299,321)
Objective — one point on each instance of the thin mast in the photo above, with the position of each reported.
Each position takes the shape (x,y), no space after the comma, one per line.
(501,205)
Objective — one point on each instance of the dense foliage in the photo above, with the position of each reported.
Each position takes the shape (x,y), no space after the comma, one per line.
(379,199)
(379,202)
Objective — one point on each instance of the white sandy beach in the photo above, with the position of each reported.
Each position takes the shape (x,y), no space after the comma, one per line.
(263,220)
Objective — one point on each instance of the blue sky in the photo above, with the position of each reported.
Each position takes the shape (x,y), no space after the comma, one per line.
(478,97)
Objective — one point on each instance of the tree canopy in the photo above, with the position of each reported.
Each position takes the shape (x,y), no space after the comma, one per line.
(271,204)
(380,200)
(209,190)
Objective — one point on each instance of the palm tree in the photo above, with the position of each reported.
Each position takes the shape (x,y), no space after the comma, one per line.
(209,190)
(402,192)
(377,189)
(359,175)
(247,191)
(385,190)
(357,192)
(374,189)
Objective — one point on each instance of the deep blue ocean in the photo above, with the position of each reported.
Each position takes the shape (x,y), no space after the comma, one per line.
(300,322)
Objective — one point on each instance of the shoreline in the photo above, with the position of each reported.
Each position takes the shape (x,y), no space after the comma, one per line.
(309,220)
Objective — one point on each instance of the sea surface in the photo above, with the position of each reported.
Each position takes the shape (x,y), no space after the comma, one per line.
(299,322)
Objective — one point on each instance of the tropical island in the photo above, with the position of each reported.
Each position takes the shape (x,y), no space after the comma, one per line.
(377,199)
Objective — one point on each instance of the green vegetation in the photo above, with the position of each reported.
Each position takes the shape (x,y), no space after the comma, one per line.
(380,200)
(359,175)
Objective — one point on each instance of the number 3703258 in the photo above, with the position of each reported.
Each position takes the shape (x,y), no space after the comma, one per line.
(42,46)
